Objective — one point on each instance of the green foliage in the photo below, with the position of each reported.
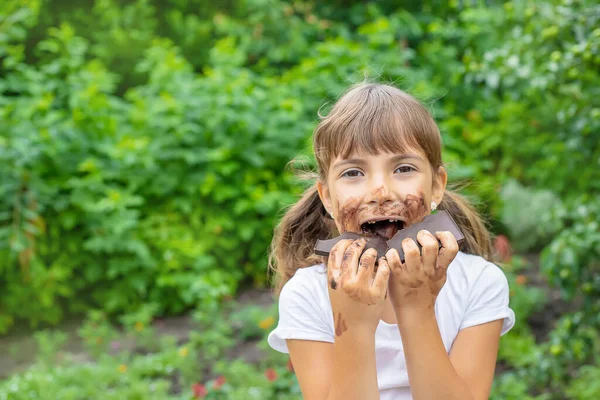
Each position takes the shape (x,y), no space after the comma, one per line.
(157,368)
(518,347)
(510,386)
(587,384)
(571,259)
(49,344)
(97,333)
(547,368)
(538,120)
(538,213)
(143,148)
(524,299)
(145,378)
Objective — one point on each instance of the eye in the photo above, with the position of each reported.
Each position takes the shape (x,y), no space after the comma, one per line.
(405,168)
(351,173)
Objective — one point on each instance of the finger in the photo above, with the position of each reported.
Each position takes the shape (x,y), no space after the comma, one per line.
(449,248)
(334,262)
(366,266)
(351,257)
(412,255)
(380,283)
(393,260)
(429,251)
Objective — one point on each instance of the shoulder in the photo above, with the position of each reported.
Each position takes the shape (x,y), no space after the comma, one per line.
(480,289)
(304,309)
(310,278)
(471,280)
(306,289)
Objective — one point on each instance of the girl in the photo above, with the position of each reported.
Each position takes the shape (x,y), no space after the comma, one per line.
(360,328)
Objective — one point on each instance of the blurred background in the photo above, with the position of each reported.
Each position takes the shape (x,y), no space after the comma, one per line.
(143,153)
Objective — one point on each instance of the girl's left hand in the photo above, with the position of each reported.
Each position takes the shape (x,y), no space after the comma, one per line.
(416,283)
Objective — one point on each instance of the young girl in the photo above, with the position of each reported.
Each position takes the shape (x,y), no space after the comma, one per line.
(361,328)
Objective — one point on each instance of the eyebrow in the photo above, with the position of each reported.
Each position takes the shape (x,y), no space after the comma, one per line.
(392,160)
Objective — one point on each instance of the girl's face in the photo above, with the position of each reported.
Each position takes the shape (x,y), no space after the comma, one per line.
(365,192)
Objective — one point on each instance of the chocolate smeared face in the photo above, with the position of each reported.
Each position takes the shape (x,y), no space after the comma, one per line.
(376,196)
(381,194)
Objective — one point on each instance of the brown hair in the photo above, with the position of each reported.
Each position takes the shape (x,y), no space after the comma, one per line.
(370,117)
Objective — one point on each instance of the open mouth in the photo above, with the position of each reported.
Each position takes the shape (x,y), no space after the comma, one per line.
(385,229)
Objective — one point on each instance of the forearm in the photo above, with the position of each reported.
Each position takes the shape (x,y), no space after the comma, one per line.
(430,371)
(354,372)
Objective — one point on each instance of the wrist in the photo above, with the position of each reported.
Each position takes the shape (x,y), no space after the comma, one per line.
(414,316)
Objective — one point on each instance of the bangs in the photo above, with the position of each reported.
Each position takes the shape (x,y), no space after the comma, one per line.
(373,119)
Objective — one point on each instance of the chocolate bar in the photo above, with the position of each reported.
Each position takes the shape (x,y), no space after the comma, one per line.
(323,247)
(440,221)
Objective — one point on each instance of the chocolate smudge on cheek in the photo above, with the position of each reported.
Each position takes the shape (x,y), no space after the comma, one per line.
(333,284)
(340,325)
(414,210)
(348,215)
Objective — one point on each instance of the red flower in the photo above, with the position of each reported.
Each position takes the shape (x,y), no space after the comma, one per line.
(219,382)
(271,374)
(199,390)
(290,366)
(502,247)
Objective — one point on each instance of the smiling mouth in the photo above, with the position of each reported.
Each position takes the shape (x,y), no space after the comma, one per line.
(385,229)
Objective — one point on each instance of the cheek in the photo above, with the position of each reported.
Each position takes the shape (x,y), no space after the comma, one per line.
(348,214)
(416,200)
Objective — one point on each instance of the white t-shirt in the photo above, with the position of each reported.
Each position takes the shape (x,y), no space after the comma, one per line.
(476,291)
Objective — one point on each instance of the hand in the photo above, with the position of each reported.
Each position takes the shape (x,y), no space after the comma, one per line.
(356,291)
(416,283)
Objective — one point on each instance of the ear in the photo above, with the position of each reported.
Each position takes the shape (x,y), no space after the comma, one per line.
(324,195)
(440,178)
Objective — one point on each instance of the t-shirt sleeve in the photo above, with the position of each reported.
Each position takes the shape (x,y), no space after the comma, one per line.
(488,300)
(301,315)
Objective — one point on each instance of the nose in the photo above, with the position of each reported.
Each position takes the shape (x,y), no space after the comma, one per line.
(379,194)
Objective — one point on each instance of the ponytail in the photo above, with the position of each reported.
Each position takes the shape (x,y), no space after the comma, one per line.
(477,237)
(295,237)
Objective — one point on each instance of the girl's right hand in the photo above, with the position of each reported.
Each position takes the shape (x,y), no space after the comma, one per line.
(356,291)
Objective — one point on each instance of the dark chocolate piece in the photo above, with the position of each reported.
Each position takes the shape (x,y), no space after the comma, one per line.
(440,221)
(323,247)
